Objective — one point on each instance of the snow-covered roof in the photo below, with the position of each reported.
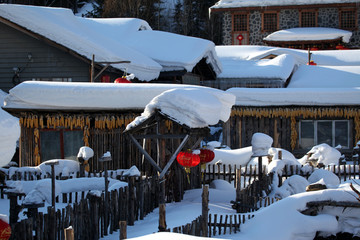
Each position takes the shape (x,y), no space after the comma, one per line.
(112,40)
(296,96)
(326,77)
(266,3)
(309,34)
(278,68)
(85,96)
(253,52)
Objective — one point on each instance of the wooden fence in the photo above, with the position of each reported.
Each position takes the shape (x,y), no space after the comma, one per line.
(93,217)
(217,225)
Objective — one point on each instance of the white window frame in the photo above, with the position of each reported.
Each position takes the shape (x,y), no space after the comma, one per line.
(332,129)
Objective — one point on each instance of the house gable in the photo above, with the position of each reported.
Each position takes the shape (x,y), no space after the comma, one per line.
(33,59)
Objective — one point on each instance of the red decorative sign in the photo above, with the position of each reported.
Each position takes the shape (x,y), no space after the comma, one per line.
(5,230)
(240,38)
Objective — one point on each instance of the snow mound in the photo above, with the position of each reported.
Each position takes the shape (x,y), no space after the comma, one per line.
(65,167)
(41,192)
(324,154)
(9,134)
(293,185)
(261,143)
(221,185)
(326,177)
(86,153)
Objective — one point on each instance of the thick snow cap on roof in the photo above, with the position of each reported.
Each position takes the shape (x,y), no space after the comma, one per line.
(255,53)
(309,34)
(85,96)
(326,77)
(113,40)
(279,68)
(296,96)
(265,3)
(193,107)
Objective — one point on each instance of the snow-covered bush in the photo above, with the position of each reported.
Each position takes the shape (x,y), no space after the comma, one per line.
(322,154)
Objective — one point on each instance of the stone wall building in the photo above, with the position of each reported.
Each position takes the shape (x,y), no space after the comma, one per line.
(247,23)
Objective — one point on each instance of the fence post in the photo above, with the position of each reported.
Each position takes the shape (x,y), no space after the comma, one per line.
(123,230)
(162,218)
(69,233)
(205,210)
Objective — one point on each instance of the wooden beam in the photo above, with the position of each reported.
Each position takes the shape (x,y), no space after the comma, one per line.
(173,157)
(146,155)
(159,136)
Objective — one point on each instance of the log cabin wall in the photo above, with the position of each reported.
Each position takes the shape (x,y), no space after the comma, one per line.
(282,124)
(101,132)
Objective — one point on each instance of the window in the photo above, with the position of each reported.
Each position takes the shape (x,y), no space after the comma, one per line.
(308,19)
(60,79)
(240,22)
(270,22)
(60,144)
(332,132)
(347,19)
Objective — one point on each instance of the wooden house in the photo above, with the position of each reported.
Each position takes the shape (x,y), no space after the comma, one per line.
(57,121)
(249,22)
(51,44)
(296,118)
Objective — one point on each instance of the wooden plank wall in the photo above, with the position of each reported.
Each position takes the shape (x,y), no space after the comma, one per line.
(243,128)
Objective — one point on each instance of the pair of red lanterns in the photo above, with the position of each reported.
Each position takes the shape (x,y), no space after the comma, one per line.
(189,159)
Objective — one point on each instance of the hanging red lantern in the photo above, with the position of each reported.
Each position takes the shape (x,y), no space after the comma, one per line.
(206,155)
(311,63)
(339,47)
(188,159)
(5,230)
(122,80)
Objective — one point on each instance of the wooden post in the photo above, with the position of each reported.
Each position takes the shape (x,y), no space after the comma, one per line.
(123,230)
(69,233)
(92,68)
(52,165)
(280,155)
(205,210)
(162,218)
(238,184)
(260,169)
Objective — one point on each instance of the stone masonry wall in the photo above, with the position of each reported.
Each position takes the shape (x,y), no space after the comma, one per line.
(288,18)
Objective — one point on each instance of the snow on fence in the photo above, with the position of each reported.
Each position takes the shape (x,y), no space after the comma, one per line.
(126,204)
(251,172)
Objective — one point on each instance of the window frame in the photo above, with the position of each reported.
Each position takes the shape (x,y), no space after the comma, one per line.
(341,11)
(245,33)
(333,129)
(305,12)
(263,21)
(61,139)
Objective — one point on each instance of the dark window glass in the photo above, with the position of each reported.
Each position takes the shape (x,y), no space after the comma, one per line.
(73,141)
(308,19)
(324,132)
(307,134)
(49,144)
(341,133)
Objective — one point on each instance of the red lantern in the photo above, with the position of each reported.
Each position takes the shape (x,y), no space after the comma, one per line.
(206,155)
(5,230)
(122,80)
(188,159)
